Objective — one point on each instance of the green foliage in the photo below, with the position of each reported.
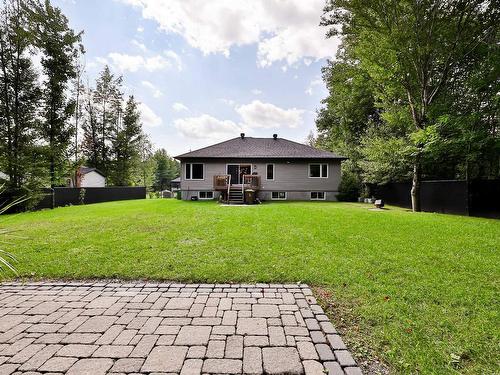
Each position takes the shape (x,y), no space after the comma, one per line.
(414,84)
(59,46)
(126,145)
(349,188)
(166,170)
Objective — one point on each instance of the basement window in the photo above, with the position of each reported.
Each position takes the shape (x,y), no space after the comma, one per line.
(206,195)
(194,171)
(278,195)
(318,195)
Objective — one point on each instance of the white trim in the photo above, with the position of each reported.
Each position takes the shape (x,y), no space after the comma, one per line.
(279,199)
(320,170)
(317,199)
(274,171)
(205,191)
(191,172)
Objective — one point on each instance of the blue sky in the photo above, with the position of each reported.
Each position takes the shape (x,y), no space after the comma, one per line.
(205,71)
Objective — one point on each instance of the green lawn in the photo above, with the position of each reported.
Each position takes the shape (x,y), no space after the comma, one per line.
(419,291)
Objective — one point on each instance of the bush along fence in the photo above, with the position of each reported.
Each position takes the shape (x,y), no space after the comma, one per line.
(475,198)
(63,196)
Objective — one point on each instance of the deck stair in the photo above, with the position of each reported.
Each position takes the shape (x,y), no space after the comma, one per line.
(235,195)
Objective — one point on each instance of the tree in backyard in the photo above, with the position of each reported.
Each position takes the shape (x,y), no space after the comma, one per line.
(107,100)
(412,52)
(19,98)
(145,167)
(166,169)
(59,46)
(91,143)
(126,145)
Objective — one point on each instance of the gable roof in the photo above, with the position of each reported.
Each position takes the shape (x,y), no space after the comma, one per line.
(85,170)
(249,147)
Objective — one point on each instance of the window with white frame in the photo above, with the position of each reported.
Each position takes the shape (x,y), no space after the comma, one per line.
(194,171)
(206,195)
(319,170)
(270,172)
(278,195)
(318,195)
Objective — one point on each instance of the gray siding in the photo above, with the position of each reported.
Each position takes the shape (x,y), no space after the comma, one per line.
(292,177)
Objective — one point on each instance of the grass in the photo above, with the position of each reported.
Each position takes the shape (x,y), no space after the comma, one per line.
(419,291)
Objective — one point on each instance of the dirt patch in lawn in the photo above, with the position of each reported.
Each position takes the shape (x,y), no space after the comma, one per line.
(354,336)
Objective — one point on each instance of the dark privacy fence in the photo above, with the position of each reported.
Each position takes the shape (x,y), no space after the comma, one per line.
(62,196)
(477,198)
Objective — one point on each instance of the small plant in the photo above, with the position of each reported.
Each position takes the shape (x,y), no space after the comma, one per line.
(81,196)
(7,258)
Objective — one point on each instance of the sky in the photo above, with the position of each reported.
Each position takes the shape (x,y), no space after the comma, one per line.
(205,71)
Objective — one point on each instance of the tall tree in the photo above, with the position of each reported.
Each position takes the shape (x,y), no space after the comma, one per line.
(413,51)
(91,142)
(166,169)
(19,96)
(125,145)
(145,166)
(107,98)
(59,46)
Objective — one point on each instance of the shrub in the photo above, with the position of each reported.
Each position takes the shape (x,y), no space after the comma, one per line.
(349,188)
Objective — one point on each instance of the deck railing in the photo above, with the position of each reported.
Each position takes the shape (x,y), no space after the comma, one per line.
(222,182)
(251,181)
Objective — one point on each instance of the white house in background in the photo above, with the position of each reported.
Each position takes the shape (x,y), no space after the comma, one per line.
(87,177)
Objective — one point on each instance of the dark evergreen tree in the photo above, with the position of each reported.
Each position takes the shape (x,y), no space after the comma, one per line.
(59,46)
(126,145)
(19,98)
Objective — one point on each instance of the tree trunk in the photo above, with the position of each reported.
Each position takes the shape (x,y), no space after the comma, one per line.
(415,187)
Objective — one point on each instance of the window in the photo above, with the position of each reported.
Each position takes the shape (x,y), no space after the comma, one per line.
(318,195)
(318,170)
(270,172)
(194,171)
(281,195)
(206,195)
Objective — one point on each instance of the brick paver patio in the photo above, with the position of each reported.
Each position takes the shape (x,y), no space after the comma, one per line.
(107,327)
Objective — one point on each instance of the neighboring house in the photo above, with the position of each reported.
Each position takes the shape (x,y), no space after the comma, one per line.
(175,184)
(276,168)
(87,177)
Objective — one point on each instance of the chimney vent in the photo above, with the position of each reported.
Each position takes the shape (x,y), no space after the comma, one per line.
(242,135)
(275,136)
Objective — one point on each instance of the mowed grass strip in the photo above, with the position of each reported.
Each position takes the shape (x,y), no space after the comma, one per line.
(420,291)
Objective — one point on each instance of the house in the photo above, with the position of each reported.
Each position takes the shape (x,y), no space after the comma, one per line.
(87,177)
(275,168)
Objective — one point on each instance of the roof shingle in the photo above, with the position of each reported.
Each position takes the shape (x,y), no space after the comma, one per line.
(249,147)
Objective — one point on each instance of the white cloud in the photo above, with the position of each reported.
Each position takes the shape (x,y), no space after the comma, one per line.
(179,107)
(156,91)
(206,126)
(140,29)
(133,63)
(286,31)
(256,91)
(139,45)
(266,115)
(314,83)
(148,117)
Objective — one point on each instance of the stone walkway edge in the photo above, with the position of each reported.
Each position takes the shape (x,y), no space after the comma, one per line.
(166,328)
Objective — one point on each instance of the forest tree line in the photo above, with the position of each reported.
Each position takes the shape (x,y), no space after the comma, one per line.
(51,122)
(413,91)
